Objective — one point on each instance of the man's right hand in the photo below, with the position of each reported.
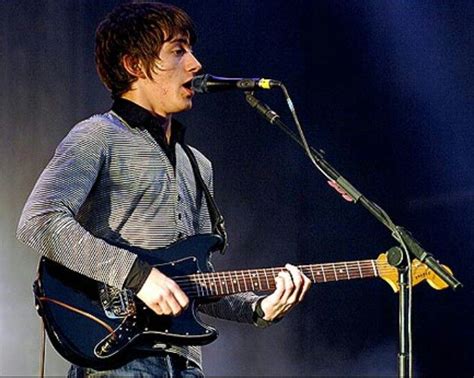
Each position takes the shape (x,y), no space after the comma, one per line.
(162,294)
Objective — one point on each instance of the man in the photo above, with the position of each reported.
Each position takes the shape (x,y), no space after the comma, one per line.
(123,178)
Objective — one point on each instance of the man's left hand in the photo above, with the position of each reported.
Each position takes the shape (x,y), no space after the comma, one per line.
(291,287)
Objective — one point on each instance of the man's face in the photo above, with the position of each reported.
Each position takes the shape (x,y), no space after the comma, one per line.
(168,91)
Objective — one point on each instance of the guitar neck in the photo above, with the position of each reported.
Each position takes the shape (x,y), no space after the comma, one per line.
(219,284)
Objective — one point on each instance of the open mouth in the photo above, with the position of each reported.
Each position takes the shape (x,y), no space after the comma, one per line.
(187,84)
(188,88)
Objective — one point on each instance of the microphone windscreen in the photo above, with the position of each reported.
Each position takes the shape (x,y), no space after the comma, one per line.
(199,83)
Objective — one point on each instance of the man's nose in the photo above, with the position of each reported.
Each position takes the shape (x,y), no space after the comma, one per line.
(193,64)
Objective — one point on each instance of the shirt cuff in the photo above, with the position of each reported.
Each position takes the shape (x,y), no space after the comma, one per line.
(258,315)
(137,276)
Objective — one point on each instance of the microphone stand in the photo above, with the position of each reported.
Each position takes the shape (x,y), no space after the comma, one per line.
(397,257)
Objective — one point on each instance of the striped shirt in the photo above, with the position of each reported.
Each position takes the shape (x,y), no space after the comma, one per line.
(109,182)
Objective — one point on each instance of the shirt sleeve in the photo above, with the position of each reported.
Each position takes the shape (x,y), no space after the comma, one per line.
(48,222)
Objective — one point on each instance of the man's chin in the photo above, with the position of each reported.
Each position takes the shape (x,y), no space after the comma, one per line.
(187,107)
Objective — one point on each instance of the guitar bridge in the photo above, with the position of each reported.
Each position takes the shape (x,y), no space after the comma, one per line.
(116,303)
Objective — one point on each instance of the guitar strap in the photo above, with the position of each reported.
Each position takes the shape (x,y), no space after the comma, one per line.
(42,356)
(217,220)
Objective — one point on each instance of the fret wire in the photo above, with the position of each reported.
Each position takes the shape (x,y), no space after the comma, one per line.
(347,271)
(202,284)
(217,282)
(250,279)
(316,274)
(335,273)
(312,273)
(245,281)
(375,270)
(330,272)
(266,278)
(211,283)
(206,283)
(226,282)
(198,287)
(324,274)
(338,268)
(263,278)
(231,281)
(320,273)
(220,282)
(274,275)
(259,284)
(215,286)
(238,281)
(360,270)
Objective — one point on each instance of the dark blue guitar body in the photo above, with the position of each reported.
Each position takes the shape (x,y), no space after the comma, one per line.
(94,325)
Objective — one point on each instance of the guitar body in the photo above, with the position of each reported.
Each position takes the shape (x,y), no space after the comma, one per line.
(95,325)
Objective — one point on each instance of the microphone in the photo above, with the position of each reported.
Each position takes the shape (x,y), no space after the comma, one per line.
(208,84)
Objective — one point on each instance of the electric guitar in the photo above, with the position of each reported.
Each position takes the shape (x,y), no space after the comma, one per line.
(95,325)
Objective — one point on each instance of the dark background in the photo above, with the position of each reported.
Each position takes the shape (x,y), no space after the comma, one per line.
(384,87)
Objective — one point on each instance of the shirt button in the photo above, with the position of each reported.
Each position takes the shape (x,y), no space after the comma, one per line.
(179,216)
(179,198)
(180,235)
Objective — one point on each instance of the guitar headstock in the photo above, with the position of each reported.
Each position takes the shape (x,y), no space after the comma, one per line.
(419,273)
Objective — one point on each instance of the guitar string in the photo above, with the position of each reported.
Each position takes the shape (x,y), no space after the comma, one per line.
(238,276)
(197,289)
(341,273)
(194,283)
(214,291)
(353,266)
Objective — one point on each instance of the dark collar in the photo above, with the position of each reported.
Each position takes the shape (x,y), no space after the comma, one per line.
(141,118)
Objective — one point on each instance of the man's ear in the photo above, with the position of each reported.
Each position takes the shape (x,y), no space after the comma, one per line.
(133,66)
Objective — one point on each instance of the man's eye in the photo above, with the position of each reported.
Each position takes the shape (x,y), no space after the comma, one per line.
(179,52)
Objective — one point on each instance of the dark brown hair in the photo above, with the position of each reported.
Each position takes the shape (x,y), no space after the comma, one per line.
(138,30)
